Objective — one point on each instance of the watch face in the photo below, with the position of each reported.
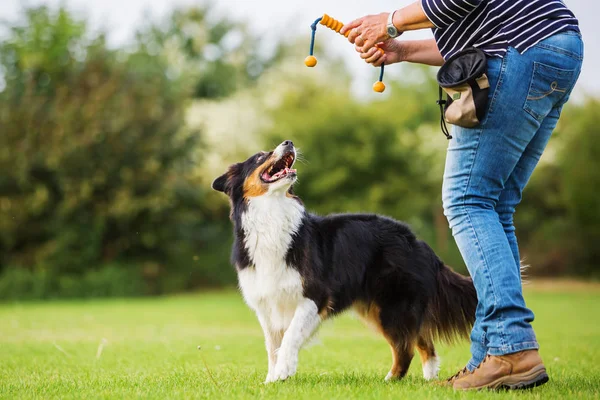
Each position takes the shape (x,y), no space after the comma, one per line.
(391,31)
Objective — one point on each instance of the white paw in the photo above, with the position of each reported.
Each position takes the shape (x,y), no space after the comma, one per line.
(431,368)
(270,378)
(286,367)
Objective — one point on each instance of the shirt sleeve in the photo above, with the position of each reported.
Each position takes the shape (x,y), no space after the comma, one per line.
(443,13)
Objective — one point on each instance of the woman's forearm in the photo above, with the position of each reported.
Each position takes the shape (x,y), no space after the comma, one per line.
(421,52)
(411,17)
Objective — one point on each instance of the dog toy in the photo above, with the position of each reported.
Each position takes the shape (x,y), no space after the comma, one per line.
(336,26)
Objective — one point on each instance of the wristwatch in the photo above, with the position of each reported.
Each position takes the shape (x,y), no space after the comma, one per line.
(392,31)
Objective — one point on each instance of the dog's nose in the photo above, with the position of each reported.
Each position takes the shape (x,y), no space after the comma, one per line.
(287,143)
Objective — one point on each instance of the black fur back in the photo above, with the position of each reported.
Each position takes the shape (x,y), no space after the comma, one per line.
(369,259)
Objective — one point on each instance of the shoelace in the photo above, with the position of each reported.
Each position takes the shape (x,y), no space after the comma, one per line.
(487,357)
(459,374)
(465,371)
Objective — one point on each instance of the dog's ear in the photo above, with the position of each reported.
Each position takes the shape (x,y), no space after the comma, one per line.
(220,184)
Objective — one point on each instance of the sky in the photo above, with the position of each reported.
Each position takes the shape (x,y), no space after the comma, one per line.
(276,18)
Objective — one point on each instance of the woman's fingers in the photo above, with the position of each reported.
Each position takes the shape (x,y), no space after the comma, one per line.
(380,60)
(369,43)
(354,33)
(360,41)
(377,54)
(368,54)
(367,31)
(351,25)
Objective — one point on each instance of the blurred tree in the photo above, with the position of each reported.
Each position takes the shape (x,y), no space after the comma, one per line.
(580,170)
(94,156)
(220,54)
(560,218)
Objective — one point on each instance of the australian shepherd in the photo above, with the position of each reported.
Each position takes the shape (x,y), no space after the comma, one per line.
(297,269)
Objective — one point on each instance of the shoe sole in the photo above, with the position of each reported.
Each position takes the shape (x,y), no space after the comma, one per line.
(536,376)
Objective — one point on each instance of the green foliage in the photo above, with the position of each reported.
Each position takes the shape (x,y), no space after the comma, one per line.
(220,54)
(561,217)
(108,281)
(95,158)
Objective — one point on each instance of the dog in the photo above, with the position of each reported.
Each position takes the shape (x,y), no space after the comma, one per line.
(297,269)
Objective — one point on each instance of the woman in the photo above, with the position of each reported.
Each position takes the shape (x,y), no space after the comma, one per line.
(534,51)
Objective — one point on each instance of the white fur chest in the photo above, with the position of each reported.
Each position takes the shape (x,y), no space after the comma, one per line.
(270,287)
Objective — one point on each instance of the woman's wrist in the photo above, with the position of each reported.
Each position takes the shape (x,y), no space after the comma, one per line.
(419,52)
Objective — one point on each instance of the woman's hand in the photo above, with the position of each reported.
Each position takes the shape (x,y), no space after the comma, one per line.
(393,52)
(365,32)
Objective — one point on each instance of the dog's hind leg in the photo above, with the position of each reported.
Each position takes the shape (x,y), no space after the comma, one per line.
(304,323)
(429,359)
(401,341)
(402,355)
(400,325)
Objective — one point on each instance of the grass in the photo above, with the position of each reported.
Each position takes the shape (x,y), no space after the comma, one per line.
(147,348)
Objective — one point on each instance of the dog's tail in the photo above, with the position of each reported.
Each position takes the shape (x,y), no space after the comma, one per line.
(451,312)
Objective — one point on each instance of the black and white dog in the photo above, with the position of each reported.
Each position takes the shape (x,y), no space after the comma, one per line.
(297,269)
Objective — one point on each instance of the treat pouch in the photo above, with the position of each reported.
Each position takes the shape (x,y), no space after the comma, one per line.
(463,78)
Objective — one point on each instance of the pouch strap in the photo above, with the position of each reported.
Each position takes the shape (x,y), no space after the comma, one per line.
(443,126)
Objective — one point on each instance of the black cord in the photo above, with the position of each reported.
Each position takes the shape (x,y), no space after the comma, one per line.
(443,126)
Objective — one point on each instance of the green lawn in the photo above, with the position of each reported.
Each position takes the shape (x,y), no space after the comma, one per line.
(51,350)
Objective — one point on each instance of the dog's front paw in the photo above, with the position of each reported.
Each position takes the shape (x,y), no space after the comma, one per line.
(270,378)
(285,368)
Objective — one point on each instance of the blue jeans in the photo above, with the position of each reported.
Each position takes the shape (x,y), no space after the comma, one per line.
(487,168)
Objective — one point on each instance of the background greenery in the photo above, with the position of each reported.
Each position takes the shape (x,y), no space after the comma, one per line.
(107,154)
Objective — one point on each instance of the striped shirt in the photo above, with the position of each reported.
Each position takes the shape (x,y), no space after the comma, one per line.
(494,25)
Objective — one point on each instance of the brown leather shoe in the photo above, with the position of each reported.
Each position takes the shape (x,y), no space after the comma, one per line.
(522,370)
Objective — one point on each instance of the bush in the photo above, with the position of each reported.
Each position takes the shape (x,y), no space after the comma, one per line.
(108,281)
(96,166)
(561,214)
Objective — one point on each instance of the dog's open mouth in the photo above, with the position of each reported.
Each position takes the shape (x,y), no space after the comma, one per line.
(280,169)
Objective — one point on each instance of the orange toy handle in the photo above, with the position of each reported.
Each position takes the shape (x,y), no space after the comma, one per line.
(336,26)
(333,24)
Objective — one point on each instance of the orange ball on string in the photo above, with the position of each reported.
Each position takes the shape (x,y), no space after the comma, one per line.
(379,87)
(310,61)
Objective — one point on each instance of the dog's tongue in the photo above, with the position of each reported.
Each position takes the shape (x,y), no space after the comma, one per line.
(281,173)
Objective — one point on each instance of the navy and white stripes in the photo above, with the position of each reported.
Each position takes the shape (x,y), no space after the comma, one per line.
(494,25)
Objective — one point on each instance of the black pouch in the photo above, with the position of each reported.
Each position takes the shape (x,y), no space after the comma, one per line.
(463,78)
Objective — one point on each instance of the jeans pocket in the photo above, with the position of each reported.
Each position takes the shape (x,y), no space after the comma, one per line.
(549,85)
